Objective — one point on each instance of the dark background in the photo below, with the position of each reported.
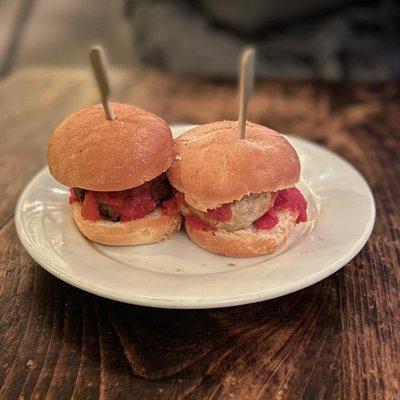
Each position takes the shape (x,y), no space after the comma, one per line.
(329,40)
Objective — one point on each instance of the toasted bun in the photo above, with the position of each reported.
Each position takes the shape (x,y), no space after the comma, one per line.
(153,228)
(214,166)
(90,152)
(246,242)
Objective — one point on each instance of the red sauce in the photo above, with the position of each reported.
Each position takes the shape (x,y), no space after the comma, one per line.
(294,200)
(267,221)
(72,197)
(222,213)
(90,210)
(170,206)
(127,204)
(137,207)
(131,203)
(198,223)
(287,199)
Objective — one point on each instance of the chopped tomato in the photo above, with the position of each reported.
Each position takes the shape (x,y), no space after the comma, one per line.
(131,203)
(222,213)
(286,199)
(196,222)
(137,207)
(267,221)
(113,199)
(90,209)
(170,206)
(293,199)
(72,197)
(125,204)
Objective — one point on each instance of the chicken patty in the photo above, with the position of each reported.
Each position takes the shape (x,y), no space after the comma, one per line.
(244,212)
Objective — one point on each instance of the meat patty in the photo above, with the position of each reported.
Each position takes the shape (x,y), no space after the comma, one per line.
(244,211)
(160,188)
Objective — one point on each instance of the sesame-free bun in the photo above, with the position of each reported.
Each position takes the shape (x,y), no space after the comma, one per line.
(248,242)
(153,228)
(214,166)
(90,152)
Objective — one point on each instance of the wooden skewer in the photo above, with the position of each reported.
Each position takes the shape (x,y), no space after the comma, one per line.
(99,65)
(246,83)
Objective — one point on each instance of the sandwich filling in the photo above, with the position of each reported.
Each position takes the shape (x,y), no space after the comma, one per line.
(259,210)
(126,205)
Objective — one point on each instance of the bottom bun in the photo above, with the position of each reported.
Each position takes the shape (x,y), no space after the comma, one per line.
(153,228)
(248,242)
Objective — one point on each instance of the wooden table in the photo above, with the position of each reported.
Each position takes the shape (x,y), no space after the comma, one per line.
(337,339)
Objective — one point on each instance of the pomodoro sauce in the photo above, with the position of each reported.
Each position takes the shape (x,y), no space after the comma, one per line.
(125,205)
(138,202)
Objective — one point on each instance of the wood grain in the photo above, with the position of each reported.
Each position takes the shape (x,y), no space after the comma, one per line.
(338,339)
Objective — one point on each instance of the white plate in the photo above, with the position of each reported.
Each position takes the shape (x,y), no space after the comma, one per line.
(178,274)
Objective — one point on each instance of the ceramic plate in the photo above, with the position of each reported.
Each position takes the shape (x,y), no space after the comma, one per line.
(178,274)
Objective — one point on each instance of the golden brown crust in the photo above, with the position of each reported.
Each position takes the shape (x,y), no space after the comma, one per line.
(90,152)
(214,166)
(246,242)
(153,228)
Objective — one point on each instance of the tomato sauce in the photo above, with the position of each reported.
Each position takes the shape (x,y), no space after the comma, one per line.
(170,206)
(222,213)
(294,200)
(129,204)
(90,210)
(267,221)
(72,197)
(124,205)
(286,199)
(198,223)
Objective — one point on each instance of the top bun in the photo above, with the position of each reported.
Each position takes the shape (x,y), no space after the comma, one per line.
(90,152)
(214,166)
